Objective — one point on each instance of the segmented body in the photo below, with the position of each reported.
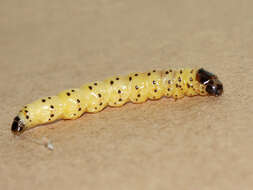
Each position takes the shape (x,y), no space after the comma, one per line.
(114,92)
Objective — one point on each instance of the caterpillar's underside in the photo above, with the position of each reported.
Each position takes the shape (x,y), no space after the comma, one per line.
(116,91)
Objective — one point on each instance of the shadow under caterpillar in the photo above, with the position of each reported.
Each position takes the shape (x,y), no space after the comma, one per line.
(116,91)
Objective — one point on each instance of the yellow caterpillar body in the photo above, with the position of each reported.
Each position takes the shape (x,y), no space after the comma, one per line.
(114,92)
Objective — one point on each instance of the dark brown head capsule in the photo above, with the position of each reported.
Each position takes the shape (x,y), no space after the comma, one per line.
(17,126)
(213,86)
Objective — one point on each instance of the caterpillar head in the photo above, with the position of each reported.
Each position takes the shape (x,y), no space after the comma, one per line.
(17,126)
(214,87)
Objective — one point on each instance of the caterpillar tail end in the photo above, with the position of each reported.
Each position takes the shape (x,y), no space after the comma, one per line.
(17,126)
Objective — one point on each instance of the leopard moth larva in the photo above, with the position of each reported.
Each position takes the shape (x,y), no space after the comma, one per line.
(116,91)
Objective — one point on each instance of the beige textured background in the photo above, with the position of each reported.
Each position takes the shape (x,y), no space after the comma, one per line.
(195,143)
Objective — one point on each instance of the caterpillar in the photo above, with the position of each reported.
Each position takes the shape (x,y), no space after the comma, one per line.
(116,91)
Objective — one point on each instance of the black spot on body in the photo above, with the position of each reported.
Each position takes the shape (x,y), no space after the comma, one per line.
(26,111)
(78,101)
(111,82)
(90,87)
(138,95)
(72,90)
(52,107)
(153,81)
(155,90)
(130,78)
(119,91)
(154,71)
(136,74)
(95,84)
(49,97)
(117,78)
(43,100)
(167,72)
(68,94)
(52,115)
(99,95)
(136,87)
(149,74)
(120,99)
(79,109)
(27,117)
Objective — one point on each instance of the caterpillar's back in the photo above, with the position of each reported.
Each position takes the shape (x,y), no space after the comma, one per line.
(116,91)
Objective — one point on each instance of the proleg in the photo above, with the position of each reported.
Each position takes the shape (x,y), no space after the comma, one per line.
(116,91)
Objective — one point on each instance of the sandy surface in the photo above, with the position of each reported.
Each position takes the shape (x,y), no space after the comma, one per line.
(195,143)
